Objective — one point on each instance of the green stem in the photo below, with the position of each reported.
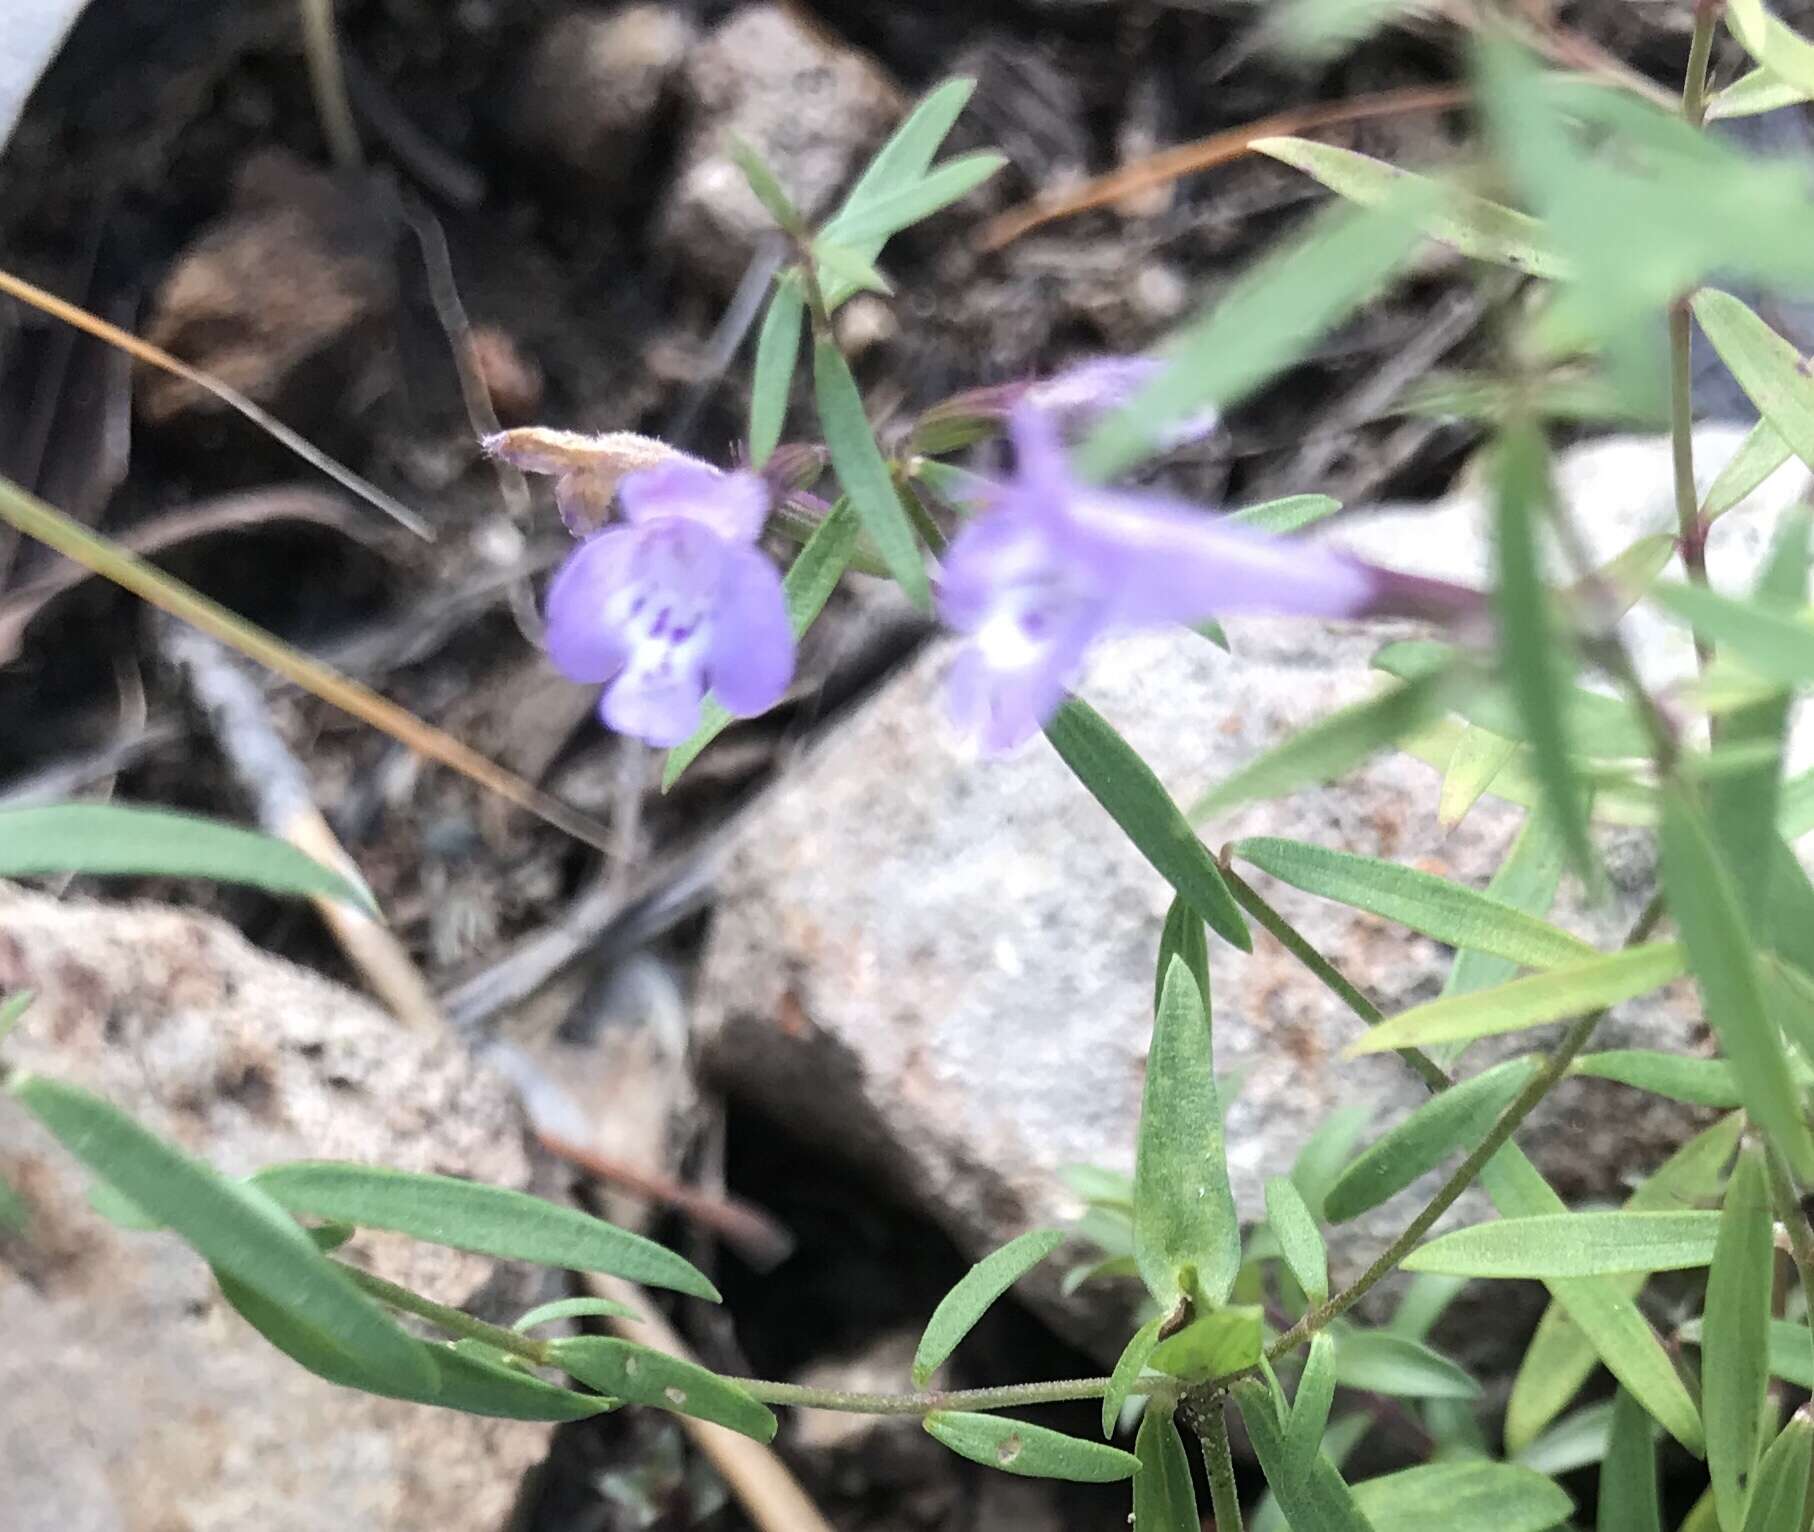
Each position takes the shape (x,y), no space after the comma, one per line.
(1212,1430)
(328,82)
(1789,1213)
(452,1320)
(1009,1396)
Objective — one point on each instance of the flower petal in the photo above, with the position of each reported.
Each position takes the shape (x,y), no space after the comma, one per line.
(659,707)
(734,505)
(752,655)
(583,640)
(1000,710)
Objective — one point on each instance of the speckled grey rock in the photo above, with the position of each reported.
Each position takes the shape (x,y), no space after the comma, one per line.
(944,969)
(810,108)
(136,1400)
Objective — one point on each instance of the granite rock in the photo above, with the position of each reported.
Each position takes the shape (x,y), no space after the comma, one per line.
(150,1404)
(942,969)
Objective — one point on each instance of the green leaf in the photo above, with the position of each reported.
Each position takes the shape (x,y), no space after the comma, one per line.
(1577,1441)
(1561,1356)
(113,838)
(1300,1241)
(1791,1352)
(880,217)
(1526,880)
(1753,94)
(904,158)
(847,269)
(1572,1245)
(1628,1482)
(1778,48)
(1182,936)
(1781,1488)
(777,352)
(1136,799)
(1766,366)
(1447,1497)
(1184,1209)
(1314,1500)
(573,1308)
(467,1215)
(1573,990)
(1223,1341)
(1264,322)
(1034,1452)
(1318,29)
(12,1008)
(1608,727)
(1426,1299)
(975,1292)
(641,1375)
(1779,647)
(1705,904)
(15,1213)
(1618,798)
(807,586)
(765,184)
(1531,651)
(1453,1119)
(1291,514)
(1761,453)
(229,1225)
(460,1381)
(1165,1498)
(1383,1363)
(1328,748)
(1435,906)
(1310,1409)
(1325,1152)
(1466,223)
(1735,1336)
(1479,757)
(864,473)
(1128,1367)
(1699,1082)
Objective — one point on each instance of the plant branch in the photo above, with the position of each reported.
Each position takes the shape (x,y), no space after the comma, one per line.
(452,1320)
(1211,1426)
(1009,1396)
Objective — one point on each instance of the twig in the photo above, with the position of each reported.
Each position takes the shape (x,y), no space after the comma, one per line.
(275,782)
(156,356)
(322,48)
(1211,1425)
(1205,153)
(450,178)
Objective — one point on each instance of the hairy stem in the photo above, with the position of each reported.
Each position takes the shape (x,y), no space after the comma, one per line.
(1009,1396)
(1212,1430)
(452,1320)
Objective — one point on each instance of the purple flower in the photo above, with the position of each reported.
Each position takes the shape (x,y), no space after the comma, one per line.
(674,602)
(1083,393)
(1051,564)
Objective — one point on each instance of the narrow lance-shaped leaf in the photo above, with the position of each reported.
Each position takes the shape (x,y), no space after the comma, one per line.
(1628,1482)
(1328,748)
(1266,321)
(1136,799)
(1779,48)
(459,1381)
(1225,1340)
(1735,1337)
(879,217)
(1572,990)
(1034,1452)
(1182,936)
(1529,645)
(1435,906)
(1184,1210)
(1300,1241)
(467,1215)
(777,352)
(864,474)
(975,1292)
(572,1308)
(1777,645)
(1479,757)
(641,1375)
(1781,1488)
(1383,1363)
(1767,367)
(1761,453)
(1165,1498)
(1454,1119)
(1128,1367)
(1473,1494)
(1721,949)
(1314,1500)
(1319,1163)
(1310,1409)
(1601,1308)
(1572,1245)
(1290,514)
(807,586)
(1699,1082)
(764,183)
(1753,94)
(1472,225)
(1562,1354)
(229,1225)
(116,838)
